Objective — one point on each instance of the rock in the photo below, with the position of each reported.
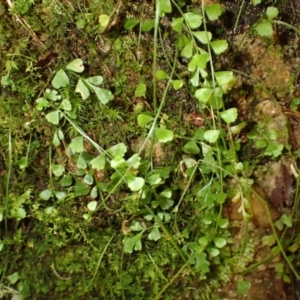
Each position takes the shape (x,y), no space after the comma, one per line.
(258,208)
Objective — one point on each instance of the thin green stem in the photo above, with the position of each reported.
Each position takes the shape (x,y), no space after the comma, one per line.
(282,251)
(286,25)
(99,262)
(238,16)
(171,281)
(7,187)
(154,62)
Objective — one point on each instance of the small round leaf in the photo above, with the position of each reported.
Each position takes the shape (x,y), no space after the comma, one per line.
(92,205)
(76,65)
(60,79)
(46,194)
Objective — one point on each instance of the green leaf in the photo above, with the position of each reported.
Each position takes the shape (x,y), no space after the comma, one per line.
(264,28)
(103,95)
(274,149)
(66,180)
(199,134)
(1,214)
(98,163)
(53,117)
(261,143)
(295,102)
(60,195)
(94,192)
(222,222)
(6,81)
(135,183)
(58,170)
(204,241)
(214,11)
(60,79)
(133,243)
(66,105)
(140,90)
(193,20)
(81,189)
(182,40)
(208,219)
(164,7)
(154,235)
(177,24)
(221,197)
(82,89)
(52,95)
(163,135)
(144,118)
(195,79)
(147,25)
(213,251)
(203,37)
(219,46)
(177,84)
(204,94)
(287,220)
(164,203)
(236,129)
(87,217)
(76,145)
(268,240)
(187,50)
(13,278)
(22,162)
(154,179)
(191,147)
(160,75)
(76,65)
(167,193)
(117,150)
(284,220)
(92,205)
(201,263)
(272,134)
(211,135)
(272,12)
(224,78)
(95,80)
(18,213)
(42,103)
(136,226)
(88,179)
(198,60)
(219,242)
(229,115)
(189,162)
(255,2)
(134,161)
(117,162)
(243,287)
(130,23)
(81,163)
(103,21)
(46,194)
(203,73)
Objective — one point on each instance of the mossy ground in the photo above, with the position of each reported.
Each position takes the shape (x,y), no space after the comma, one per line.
(50,249)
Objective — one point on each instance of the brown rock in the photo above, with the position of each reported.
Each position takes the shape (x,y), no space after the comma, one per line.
(259,208)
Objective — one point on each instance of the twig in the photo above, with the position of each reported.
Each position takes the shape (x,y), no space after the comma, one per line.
(26,25)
